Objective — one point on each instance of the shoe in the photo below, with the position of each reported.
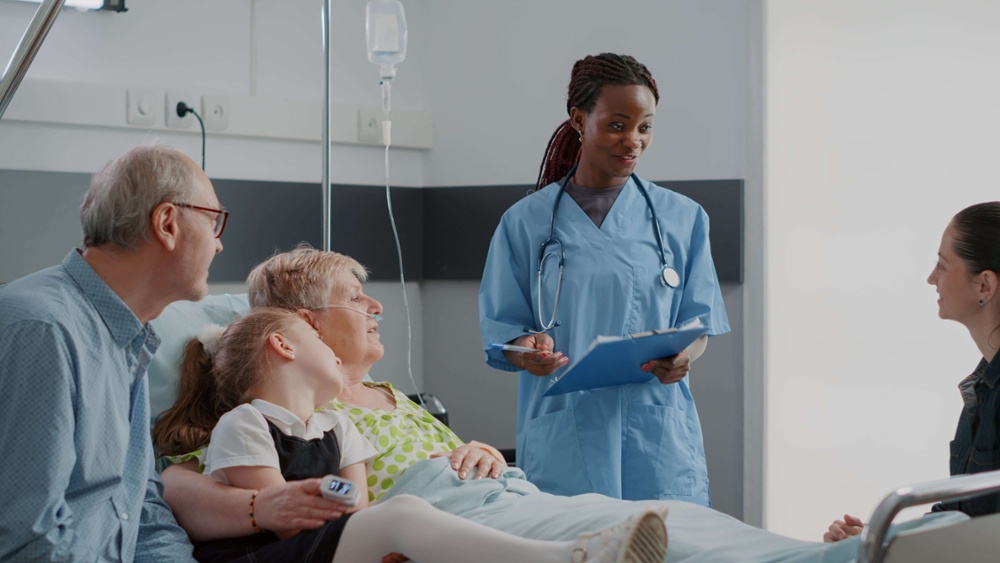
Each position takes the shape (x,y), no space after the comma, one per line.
(642,538)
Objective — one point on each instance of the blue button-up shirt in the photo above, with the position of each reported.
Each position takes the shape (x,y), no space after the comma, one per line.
(77,475)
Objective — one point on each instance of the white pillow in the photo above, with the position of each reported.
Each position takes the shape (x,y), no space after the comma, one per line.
(180,322)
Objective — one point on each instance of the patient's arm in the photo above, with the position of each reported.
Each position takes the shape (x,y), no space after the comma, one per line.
(208,509)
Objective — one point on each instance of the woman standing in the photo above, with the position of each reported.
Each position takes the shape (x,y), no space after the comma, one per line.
(618,256)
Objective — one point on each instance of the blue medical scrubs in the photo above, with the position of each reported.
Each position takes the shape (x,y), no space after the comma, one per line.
(638,441)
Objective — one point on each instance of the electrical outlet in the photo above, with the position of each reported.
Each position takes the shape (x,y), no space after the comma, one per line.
(143,107)
(215,112)
(370,125)
(175,121)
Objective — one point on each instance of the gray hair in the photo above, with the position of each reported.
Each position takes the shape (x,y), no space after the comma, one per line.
(117,207)
(302,278)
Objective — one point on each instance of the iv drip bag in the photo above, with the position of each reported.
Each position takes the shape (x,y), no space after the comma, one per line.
(385,24)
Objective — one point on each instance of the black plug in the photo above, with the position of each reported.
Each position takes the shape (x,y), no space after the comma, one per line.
(182,110)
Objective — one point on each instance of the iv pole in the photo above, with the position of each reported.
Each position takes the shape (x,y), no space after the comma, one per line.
(26,50)
(327,9)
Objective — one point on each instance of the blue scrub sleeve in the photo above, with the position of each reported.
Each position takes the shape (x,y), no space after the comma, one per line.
(702,296)
(37,416)
(504,296)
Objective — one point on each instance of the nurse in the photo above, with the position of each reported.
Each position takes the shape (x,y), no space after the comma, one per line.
(622,255)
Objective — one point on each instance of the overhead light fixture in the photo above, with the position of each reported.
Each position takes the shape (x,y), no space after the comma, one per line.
(113,5)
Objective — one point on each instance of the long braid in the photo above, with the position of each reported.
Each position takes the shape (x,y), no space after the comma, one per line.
(589,75)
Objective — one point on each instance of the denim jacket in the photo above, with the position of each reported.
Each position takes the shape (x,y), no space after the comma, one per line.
(976,447)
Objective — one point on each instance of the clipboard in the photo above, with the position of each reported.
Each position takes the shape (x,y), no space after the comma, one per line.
(616,360)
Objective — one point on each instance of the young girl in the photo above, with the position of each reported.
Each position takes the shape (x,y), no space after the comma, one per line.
(271,372)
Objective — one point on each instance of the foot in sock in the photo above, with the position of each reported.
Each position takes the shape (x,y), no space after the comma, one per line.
(642,538)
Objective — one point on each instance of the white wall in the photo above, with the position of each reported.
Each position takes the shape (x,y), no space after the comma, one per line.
(498,88)
(882,123)
(206,47)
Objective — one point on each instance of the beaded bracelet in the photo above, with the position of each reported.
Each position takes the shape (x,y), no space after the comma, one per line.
(253,522)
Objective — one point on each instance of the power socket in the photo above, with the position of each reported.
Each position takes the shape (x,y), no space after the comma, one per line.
(215,112)
(173,120)
(143,107)
(370,125)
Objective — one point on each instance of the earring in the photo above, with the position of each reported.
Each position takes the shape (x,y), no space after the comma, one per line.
(581,136)
(982,303)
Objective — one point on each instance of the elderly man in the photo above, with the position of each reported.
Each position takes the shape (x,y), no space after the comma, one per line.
(77,471)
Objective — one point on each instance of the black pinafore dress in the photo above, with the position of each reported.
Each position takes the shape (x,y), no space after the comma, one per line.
(299,459)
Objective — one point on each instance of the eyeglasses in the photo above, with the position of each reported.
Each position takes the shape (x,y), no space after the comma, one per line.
(221,216)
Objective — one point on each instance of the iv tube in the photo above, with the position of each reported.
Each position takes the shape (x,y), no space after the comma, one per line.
(385,24)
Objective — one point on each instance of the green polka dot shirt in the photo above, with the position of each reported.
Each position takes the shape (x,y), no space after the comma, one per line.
(401,438)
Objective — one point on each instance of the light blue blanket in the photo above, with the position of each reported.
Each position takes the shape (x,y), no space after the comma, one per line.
(695,533)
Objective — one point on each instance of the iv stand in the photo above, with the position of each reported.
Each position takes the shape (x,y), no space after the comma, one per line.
(327,10)
(26,50)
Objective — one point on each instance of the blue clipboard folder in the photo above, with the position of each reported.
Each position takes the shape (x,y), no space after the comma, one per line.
(617,360)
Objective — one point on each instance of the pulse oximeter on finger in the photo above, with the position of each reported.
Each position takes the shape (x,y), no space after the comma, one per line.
(339,489)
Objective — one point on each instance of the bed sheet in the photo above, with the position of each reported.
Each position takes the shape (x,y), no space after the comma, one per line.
(695,533)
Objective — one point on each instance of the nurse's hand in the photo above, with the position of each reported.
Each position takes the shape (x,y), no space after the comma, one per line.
(669,370)
(541,363)
(843,529)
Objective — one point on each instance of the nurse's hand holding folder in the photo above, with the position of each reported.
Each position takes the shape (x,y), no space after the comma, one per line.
(674,368)
(534,354)
(620,360)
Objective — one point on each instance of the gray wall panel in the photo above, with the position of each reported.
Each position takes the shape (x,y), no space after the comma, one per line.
(444,232)
(459,222)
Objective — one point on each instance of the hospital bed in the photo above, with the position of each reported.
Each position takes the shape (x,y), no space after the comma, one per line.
(977,539)
(697,534)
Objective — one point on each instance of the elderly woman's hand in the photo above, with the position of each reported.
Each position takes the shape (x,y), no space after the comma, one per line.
(486,460)
(293,506)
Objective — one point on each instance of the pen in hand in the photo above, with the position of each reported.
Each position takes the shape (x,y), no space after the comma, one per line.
(513,348)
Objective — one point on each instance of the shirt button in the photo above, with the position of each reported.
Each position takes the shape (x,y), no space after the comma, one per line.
(124,515)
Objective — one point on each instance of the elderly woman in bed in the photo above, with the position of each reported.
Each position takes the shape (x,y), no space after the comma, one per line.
(326,289)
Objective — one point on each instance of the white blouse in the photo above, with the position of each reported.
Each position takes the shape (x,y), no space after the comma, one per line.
(241,438)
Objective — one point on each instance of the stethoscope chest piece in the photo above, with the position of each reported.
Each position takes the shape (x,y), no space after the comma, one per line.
(669,277)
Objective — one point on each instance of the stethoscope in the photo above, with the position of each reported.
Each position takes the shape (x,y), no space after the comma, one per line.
(668,276)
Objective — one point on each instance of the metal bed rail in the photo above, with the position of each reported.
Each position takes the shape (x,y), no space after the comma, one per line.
(26,50)
(955,488)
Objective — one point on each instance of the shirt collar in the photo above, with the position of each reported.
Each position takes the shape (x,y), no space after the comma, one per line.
(284,419)
(989,373)
(120,320)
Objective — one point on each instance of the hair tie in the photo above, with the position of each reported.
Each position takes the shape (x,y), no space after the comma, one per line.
(209,338)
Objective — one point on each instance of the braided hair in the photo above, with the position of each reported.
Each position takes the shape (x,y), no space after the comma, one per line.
(589,76)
